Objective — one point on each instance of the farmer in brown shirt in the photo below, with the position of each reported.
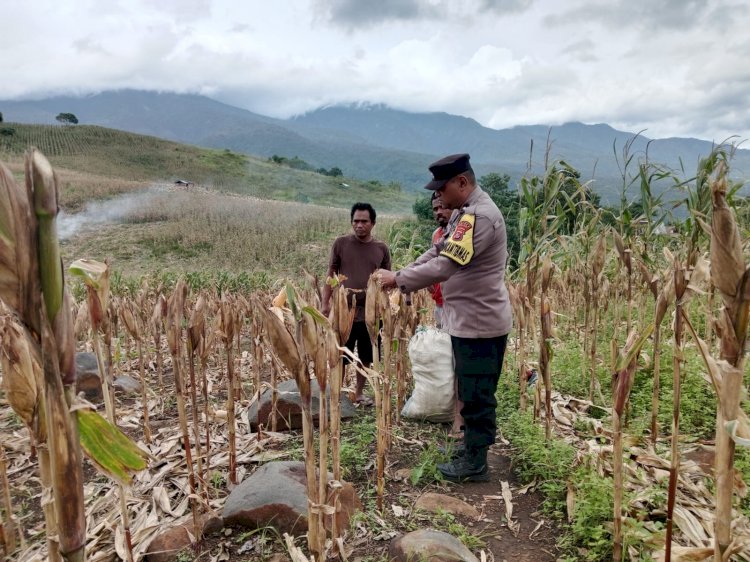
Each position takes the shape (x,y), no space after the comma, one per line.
(357,256)
(469,262)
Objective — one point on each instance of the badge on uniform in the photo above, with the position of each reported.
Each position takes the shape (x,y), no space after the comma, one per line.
(460,246)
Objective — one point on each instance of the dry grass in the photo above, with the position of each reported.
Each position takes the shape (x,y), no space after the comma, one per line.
(105,158)
(165,229)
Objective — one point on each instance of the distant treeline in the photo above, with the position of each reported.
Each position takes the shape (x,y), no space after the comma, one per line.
(298,164)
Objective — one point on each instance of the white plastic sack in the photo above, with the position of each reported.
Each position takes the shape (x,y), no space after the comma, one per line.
(431,358)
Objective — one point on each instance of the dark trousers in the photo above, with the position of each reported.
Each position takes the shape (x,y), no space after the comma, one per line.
(478,365)
(360,338)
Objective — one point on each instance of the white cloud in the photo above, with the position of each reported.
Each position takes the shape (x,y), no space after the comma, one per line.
(676,68)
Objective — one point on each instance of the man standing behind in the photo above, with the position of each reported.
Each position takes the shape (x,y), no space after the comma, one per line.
(441,216)
(357,256)
(470,264)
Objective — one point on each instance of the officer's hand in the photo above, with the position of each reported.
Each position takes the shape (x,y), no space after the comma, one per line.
(387,278)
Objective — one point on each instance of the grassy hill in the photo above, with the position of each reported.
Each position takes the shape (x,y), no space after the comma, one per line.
(243,222)
(96,162)
(198,120)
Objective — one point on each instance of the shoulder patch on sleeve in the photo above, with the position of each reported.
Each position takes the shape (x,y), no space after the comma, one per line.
(460,246)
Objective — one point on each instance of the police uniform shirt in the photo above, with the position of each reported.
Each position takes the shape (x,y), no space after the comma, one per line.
(470,263)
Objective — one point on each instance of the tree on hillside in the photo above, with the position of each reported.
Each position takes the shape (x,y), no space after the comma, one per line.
(423,208)
(67,118)
(1,116)
(497,186)
(334,172)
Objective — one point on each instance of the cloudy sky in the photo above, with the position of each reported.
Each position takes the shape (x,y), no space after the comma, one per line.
(672,67)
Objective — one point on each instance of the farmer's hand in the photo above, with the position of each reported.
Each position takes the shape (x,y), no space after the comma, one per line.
(387,278)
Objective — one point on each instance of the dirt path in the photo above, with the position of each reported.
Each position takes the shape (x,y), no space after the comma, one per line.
(534,539)
(531,537)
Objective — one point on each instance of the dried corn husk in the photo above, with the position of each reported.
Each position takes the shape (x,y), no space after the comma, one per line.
(22,376)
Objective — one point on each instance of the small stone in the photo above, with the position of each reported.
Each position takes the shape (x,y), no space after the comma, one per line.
(87,377)
(427,544)
(349,504)
(403,474)
(168,544)
(127,385)
(433,502)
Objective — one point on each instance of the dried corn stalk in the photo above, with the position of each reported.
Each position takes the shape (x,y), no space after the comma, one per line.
(289,349)
(731,277)
(622,383)
(175,312)
(545,347)
(196,334)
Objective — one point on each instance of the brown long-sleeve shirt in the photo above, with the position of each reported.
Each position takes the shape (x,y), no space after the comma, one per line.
(357,260)
(469,262)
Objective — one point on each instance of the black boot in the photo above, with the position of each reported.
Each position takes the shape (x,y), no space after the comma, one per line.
(471,467)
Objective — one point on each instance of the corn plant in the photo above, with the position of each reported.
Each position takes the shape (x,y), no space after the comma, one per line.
(288,345)
(41,357)
(341,319)
(624,233)
(596,265)
(545,349)
(226,328)
(686,282)
(156,324)
(664,295)
(133,326)
(377,309)
(95,276)
(546,207)
(175,313)
(195,339)
(623,377)
(731,277)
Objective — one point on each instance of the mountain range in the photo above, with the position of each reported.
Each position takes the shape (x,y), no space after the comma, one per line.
(373,141)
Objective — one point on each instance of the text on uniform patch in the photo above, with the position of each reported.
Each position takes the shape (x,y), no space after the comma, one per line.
(460,246)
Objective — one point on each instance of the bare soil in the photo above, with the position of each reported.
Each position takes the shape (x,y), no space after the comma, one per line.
(533,541)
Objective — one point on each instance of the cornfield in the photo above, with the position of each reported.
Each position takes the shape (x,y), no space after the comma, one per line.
(622,298)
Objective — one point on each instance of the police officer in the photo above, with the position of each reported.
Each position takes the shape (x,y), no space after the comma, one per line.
(469,261)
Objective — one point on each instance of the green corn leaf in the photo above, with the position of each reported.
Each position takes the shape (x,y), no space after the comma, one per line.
(90,271)
(292,301)
(111,451)
(625,358)
(316,315)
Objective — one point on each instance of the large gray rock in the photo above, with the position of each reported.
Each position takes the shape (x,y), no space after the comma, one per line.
(87,377)
(127,385)
(275,495)
(289,407)
(427,545)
